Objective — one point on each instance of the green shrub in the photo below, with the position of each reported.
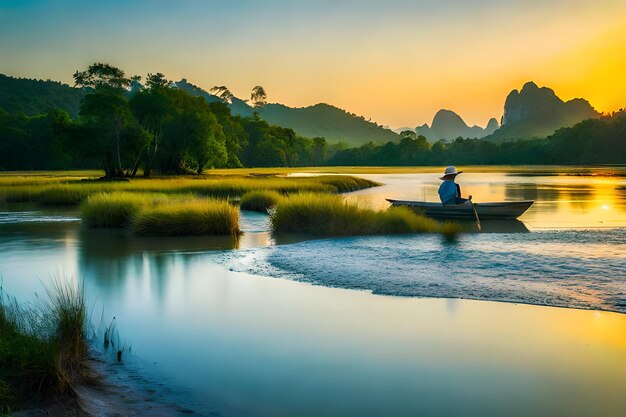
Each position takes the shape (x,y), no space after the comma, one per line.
(260,200)
(332,215)
(204,217)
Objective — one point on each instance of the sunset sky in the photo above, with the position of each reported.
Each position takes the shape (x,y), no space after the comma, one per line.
(396,61)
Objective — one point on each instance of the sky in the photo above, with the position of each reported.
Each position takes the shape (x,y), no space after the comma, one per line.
(394,61)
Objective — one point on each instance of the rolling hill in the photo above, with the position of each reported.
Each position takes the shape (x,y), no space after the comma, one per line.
(318,120)
(448,125)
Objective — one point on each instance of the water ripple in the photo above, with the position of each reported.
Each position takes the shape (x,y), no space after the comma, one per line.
(582,269)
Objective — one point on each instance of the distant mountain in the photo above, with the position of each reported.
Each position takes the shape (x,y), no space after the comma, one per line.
(538,112)
(319,120)
(330,122)
(30,97)
(448,125)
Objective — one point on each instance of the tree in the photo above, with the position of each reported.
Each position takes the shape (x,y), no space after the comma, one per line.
(102,76)
(206,141)
(106,106)
(192,137)
(258,96)
(223,93)
(408,134)
(152,107)
(320,151)
(156,81)
(235,136)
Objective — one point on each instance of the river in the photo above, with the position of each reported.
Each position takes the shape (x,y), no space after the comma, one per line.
(364,326)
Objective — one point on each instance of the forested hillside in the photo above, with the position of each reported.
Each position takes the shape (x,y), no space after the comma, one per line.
(127,128)
(330,122)
(319,120)
(30,97)
(593,141)
(156,128)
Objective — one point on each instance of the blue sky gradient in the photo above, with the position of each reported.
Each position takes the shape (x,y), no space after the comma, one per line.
(395,61)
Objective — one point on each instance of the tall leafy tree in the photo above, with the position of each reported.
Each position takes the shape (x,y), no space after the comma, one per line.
(222,92)
(192,137)
(258,97)
(107,114)
(153,107)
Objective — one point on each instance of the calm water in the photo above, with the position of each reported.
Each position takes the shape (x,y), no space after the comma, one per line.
(236,329)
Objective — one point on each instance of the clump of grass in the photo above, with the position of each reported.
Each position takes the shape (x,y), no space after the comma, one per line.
(111,210)
(332,215)
(42,348)
(194,218)
(260,200)
(68,309)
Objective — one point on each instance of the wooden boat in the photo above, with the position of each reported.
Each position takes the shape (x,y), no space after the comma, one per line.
(502,210)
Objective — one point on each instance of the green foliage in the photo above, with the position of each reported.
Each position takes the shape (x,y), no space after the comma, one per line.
(260,200)
(593,141)
(193,218)
(332,215)
(37,142)
(125,127)
(22,96)
(101,76)
(111,134)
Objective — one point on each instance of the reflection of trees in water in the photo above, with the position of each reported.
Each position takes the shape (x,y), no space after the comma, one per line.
(111,258)
(579,195)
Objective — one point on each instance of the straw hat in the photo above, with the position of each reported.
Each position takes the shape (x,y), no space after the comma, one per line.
(450,172)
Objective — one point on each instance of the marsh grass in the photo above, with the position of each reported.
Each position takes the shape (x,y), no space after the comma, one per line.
(160,214)
(42,347)
(260,200)
(345,183)
(332,215)
(116,210)
(193,218)
(74,192)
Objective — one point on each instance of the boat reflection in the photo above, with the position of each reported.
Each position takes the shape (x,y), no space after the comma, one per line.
(497,226)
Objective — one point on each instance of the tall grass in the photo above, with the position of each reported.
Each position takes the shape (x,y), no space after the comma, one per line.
(111,210)
(74,192)
(332,215)
(161,215)
(193,218)
(345,183)
(42,347)
(260,200)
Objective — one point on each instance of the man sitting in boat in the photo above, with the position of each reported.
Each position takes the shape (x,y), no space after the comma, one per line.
(450,191)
